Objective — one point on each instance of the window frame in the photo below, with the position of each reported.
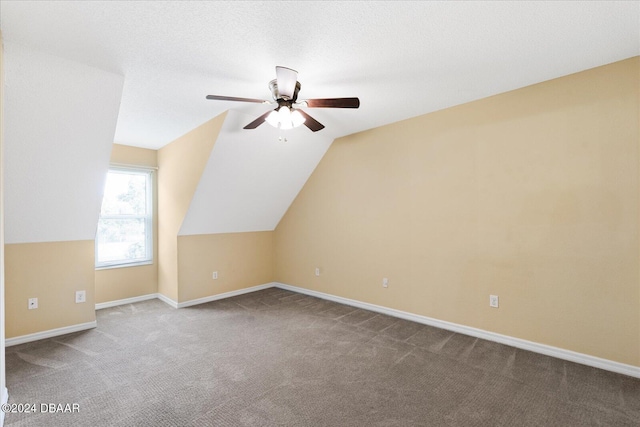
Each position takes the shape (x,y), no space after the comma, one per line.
(148,219)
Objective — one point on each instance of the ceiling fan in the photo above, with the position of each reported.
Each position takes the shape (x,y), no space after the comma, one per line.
(287,115)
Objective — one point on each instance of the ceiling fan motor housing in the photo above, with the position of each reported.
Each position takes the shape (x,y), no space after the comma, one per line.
(273,87)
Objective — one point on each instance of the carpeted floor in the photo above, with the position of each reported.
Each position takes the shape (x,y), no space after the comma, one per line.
(279,358)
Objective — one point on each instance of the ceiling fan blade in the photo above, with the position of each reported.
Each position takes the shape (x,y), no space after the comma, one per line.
(333,103)
(233,98)
(287,79)
(311,123)
(257,122)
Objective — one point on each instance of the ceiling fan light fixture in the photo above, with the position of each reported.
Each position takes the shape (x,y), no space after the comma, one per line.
(284,89)
(285,118)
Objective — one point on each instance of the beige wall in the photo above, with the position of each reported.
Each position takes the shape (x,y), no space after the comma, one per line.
(180,165)
(242,260)
(51,272)
(134,156)
(531,195)
(113,284)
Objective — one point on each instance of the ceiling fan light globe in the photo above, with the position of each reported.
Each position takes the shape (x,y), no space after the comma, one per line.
(296,118)
(273,119)
(284,114)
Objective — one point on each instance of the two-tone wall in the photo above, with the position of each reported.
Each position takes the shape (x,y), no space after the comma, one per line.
(531,195)
(221,213)
(187,262)
(55,164)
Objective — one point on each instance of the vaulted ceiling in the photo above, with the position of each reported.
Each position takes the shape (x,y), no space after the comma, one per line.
(402,59)
(80,75)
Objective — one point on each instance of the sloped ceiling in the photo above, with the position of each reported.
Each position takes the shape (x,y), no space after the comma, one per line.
(60,119)
(251,178)
(402,59)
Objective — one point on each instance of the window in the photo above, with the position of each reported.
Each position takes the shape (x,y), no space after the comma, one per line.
(125,228)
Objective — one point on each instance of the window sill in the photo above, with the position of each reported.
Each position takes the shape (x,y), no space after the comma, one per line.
(132,264)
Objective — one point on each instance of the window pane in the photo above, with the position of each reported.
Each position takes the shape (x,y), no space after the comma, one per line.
(121,240)
(125,194)
(125,229)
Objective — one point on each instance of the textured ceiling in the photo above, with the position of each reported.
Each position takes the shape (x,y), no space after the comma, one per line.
(402,59)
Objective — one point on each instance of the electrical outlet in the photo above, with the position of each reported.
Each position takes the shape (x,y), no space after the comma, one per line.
(385,282)
(33,303)
(215,275)
(81,296)
(493,301)
(317,271)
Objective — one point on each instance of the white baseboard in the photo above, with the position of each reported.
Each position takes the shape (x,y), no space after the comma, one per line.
(225,295)
(140,298)
(124,301)
(49,334)
(560,353)
(203,300)
(165,299)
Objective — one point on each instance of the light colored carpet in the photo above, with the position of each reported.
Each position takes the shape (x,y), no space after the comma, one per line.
(275,357)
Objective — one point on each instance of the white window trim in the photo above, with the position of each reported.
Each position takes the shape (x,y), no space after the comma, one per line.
(149,172)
